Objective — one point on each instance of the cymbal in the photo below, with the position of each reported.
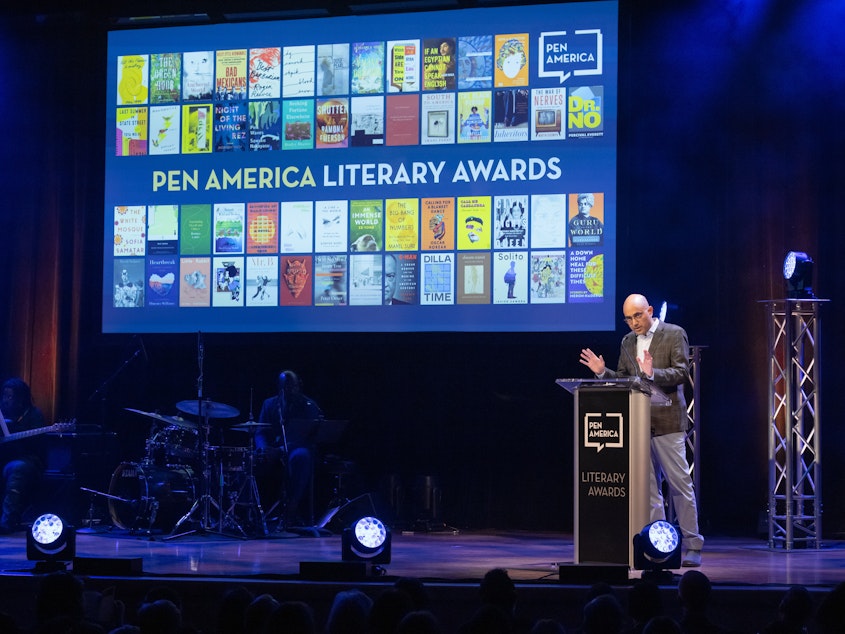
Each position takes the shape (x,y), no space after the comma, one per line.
(250,425)
(168,420)
(209,408)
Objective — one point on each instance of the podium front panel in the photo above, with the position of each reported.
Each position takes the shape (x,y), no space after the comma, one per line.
(612,467)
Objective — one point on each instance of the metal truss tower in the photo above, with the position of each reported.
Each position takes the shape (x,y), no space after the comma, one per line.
(795,500)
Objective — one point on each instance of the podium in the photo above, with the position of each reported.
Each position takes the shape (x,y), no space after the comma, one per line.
(612,463)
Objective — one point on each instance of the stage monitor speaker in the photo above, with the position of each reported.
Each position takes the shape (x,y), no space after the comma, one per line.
(338,518)
(332,570)
(108,566)
(588,574)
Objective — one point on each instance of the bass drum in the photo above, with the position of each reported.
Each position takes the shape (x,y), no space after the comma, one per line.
(146,497)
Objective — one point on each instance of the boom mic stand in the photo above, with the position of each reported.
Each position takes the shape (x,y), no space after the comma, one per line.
(204,503)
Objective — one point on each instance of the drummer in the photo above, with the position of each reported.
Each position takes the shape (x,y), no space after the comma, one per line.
(288,454)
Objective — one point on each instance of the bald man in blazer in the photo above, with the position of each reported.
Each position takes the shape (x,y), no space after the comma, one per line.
(661,352)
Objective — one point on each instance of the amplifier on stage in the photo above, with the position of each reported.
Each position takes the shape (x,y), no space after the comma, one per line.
(83,452)
(81,458)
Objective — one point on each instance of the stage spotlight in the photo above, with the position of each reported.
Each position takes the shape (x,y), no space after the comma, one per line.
(367,539)
(798,273)
(50,543)
(657,547)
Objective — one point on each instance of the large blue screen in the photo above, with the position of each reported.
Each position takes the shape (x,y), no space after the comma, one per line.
(435,171)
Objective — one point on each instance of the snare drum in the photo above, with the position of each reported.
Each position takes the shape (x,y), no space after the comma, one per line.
(173,446)
(150,496)
(230,459)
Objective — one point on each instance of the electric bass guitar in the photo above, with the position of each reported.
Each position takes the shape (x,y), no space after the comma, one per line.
(63,427)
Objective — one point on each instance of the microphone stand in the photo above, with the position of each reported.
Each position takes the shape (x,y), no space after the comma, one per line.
(205,500)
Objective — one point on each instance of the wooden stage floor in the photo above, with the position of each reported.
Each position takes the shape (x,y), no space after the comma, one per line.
(450,563)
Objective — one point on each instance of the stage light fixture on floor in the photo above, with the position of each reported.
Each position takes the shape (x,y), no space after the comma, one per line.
(798,273)
(50,542)
(367,539)
(657,547)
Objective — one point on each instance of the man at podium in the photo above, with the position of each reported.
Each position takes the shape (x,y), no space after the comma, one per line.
(659,352)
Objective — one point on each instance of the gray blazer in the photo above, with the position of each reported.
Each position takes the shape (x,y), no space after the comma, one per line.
(670,351)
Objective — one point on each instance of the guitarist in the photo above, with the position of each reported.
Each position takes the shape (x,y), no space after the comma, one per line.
(23,467)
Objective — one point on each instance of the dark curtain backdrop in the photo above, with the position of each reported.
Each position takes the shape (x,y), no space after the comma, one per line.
(730,154)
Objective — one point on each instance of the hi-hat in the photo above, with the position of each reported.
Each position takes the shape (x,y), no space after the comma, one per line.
(250,426)
(208,408)
(167,420)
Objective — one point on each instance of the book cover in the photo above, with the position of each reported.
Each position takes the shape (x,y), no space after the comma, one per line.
(229,228)
(162,229)
(473,278)
(474,117)
(437,279)
(165,77)
(473,213)
(128,276)
(330,280)
(586,276)
(475,62)
(297,279)
(131,131)
(401,279)
(195,230)
(227,291)
(401,224)
(439,61)
(548,277)
(297,227)
(365,279)
(265,125)
(547,109)
(197,75)
(585,113)
(511,59)
(437,119)
(262,227)
(510,277)
(437,224)
(130,230)
(298,124)
(331,225)
(332,123)
(332,69)
(265,73)
(402,120)
(230,79)
(195,282)
(510,114)
(403,69)
(548,221)
(366,222)
(510,222)
(133,76)
(367,68)
(262,280)
(231,126)
(366,126)
(197,130)
(162,289)
(165,129)
(298,72)
(586,220)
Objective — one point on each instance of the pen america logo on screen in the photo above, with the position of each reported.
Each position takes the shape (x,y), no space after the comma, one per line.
(603,430)
(564,55)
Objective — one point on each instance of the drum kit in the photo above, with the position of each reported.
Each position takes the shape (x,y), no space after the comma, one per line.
(184,484)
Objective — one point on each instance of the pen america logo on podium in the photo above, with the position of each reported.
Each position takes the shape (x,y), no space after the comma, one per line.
(564,55)
(603,430)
